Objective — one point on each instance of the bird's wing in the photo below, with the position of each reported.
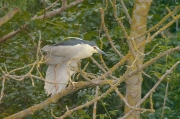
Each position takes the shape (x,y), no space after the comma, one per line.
(63,51)
(51,59)
(59,75)
(58,54)
(59,60)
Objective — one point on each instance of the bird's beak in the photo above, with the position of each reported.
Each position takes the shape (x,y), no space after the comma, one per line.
(101,52)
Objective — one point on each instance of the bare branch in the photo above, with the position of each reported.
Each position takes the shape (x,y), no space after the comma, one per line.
(107,34)
(64,3)
(160,23)
(49,7)
(152,89)
(54,98)
(125,101)
(58,11)
(3,7)
(123,28)
(165,27)
(9,15)
(48,15)
(119,21)
(81,85)
(2,90)
(165,98)
(125,76)
(11,34)
(95,103)
(125,11)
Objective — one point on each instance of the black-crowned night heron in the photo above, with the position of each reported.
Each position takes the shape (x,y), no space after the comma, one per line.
(62,59)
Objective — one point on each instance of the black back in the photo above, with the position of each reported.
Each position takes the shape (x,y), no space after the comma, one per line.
(74,41)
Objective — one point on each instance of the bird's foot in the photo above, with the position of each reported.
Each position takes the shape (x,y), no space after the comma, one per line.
(73,84)
(89,75)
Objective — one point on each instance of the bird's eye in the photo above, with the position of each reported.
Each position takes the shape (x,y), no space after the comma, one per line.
(94,47)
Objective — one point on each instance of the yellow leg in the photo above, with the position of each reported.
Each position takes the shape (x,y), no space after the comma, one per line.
(71,68)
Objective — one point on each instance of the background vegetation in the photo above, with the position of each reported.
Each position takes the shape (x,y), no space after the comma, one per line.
(83,20)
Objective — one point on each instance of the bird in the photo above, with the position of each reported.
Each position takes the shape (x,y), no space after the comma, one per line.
(62,60)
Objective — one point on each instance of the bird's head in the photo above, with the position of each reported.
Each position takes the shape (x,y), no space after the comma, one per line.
(96,49)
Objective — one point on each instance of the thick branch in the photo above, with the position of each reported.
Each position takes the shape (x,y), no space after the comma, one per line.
(165,27)
(152,89)
(160,23)
(81,85)
(58,11)
(11,34)
(8,16)
(57,96)
(47,15)
(124,77)
(125,58)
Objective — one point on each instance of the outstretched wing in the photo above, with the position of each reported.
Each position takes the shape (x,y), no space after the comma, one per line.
(60,62)
(59,76)
(63,51)
(58,54)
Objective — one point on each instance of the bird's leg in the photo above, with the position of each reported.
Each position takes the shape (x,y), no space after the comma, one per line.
(74,70)
(71,82)
(88,75)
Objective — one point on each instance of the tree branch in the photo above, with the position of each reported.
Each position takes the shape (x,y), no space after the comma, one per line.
(2,90)
(95,103)
(58,11)
(8,16)
(152,89)
(81,85)
(121,79)
(11,34)
(107,34)
(160,23)
(125,11)
(47,15)
(57,96)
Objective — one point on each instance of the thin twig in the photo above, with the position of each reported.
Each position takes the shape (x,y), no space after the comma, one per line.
(95,103)
(152,89)
(2,90)
(118,20)
(151,102)
(49,7)
(57,11)
(125,11)
(125,76)
(125,101)
(165,98)
(160,22)
(107,33)
(48,15)
(97,64)
(122,27)
(81,85)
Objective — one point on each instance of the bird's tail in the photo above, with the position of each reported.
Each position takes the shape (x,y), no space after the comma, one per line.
(57,78)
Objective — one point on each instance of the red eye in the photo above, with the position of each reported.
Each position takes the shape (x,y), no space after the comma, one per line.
(94,47)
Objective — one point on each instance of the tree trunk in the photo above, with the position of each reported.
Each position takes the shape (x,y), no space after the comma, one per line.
(138,26)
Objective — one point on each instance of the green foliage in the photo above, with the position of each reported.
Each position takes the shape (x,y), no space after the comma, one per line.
(84,21)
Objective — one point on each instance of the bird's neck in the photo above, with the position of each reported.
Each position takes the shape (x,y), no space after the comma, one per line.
(86,51)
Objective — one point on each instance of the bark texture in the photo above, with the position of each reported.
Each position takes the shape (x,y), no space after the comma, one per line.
(138,27)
